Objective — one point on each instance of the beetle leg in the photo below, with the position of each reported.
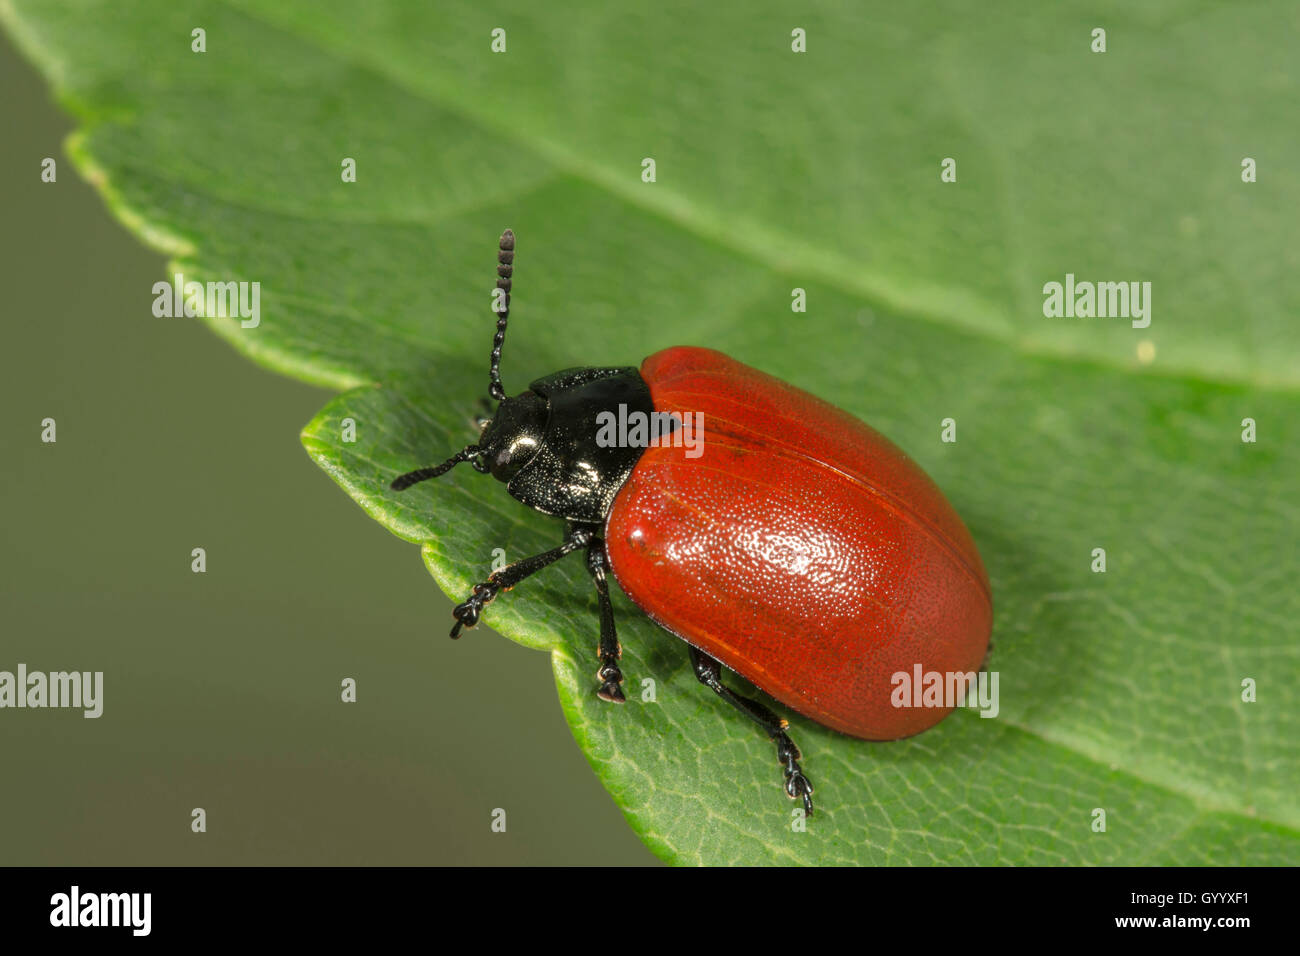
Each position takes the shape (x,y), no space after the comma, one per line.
(609,675)
(468,612)
(709,673)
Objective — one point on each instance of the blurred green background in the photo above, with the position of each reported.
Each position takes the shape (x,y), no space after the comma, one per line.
(222,689)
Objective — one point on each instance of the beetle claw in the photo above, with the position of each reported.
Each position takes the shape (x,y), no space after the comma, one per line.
(612,693)
(799,786)
(467,614)
(611,679)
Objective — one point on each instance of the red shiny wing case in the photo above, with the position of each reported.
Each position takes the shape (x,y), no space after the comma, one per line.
(801,548)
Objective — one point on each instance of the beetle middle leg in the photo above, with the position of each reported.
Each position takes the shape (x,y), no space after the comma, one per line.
(709,673)
(609,675)
(468,612)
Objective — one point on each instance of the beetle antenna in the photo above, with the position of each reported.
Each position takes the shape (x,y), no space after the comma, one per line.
(402,482)
(501,304)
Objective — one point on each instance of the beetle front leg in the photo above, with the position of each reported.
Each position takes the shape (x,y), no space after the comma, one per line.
(709,673)
(467,613)
(609,675)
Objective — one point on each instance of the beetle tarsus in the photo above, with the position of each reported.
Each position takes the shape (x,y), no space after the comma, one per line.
(611,679)
(468,613)
(797,785)
(608,650)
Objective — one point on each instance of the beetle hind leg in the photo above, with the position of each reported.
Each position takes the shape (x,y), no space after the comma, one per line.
(609,675)
(797,785)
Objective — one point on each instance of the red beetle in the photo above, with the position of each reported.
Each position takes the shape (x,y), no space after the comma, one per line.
(771,531)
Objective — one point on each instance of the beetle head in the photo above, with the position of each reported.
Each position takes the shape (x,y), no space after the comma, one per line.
(510,439)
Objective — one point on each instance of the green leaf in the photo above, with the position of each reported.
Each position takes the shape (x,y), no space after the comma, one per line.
(776,170)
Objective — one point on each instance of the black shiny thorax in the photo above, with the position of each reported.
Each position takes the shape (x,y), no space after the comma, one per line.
(543,442)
